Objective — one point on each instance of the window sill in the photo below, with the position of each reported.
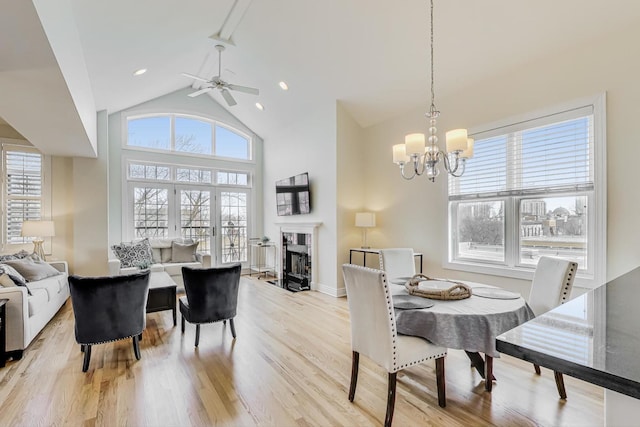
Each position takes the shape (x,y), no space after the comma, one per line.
(582,280)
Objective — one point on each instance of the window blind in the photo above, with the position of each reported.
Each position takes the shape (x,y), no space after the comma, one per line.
(551,154)
(23,178)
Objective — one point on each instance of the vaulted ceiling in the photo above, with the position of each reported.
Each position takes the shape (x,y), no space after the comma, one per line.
(63,60)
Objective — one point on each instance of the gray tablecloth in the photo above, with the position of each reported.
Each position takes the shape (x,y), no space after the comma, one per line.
(470,324)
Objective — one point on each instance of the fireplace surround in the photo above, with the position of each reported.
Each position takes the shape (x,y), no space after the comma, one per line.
(298,256)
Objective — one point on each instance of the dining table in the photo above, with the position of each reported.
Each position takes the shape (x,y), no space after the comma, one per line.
(470,324)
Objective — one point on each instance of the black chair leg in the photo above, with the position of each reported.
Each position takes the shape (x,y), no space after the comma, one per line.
(197,335)
(536,368)
(82,348)
(136,346)
(233,328)
(391,399)
(224,322)
(182,323)
(87,357)
(442,393)
(355,359)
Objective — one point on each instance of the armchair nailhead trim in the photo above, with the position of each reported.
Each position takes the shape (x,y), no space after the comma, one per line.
(108,341)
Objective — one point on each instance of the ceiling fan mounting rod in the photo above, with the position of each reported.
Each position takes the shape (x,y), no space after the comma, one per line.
(220,48)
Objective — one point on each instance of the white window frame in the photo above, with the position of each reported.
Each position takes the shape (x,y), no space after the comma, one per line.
(597,210)
(8,144)
(172,150)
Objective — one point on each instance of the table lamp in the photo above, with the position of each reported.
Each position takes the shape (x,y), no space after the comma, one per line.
(365,220)
(38,230)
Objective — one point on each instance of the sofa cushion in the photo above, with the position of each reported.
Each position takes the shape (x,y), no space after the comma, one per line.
(32,270)
(175,268)
(133,254)
(183,252)
(13,275)
(17,255)
(37,301)
(6,282)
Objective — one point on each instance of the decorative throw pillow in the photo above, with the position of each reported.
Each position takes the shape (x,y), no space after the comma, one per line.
(133,254)
(183,252)
(14,276)
(17,255)
(6,282)
(33,269)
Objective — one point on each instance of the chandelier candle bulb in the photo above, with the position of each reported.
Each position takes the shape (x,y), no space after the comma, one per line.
(468,153)
(456,140)
(414,143)
(400,154)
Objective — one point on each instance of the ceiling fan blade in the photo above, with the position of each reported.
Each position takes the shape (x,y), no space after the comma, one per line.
(192,76)
(200,92)
(245,89)
(227,97)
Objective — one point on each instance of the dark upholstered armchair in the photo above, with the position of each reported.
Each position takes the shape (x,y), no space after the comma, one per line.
(109,309)
(212,295)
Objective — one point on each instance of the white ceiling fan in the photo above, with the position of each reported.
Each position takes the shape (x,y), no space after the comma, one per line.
(217,83)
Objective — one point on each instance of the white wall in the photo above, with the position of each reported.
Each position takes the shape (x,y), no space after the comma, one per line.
(90,208)
(307,145)
(175,102)
(413,213)
(349,195)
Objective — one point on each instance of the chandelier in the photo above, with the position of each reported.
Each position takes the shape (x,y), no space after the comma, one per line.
(422,155)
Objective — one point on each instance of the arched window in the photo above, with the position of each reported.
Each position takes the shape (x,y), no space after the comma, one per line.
(187,135)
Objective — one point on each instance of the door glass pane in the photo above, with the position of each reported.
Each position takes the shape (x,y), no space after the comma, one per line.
(480,230)
(195,218)
(150,212)
(554,226)
(193,136)
(233,219)
(150,132)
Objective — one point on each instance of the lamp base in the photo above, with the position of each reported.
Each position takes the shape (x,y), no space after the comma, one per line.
(38,249)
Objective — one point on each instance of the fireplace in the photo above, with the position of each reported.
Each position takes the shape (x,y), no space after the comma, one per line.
(296,261)
(298,258)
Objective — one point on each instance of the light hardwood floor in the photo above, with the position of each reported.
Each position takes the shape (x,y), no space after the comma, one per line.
(289,366)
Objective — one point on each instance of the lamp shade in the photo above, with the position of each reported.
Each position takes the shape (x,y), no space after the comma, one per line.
(456,140)
(365,219)
(38,229)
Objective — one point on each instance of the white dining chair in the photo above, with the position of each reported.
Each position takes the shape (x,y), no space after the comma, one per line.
(374,334)
(397,262)
(551,286)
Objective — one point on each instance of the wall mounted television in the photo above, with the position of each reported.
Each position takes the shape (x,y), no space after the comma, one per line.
(293,195)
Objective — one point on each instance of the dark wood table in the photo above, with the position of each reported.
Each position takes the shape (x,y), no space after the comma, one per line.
(3,332)
(594,337)
(162,293)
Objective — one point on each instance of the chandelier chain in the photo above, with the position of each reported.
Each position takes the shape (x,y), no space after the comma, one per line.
(432,113)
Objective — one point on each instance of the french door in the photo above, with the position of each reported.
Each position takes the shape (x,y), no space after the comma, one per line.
(216,218)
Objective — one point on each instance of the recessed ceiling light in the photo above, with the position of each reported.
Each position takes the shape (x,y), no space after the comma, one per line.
(139,72)
(259,106)
(283,86)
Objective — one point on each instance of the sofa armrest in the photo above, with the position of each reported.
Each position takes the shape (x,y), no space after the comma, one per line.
(61,266)
(114,267)
(204,259)
(17,311)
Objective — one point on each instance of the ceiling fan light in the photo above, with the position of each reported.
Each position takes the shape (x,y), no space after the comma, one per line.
(139,72)
(283,86)
(259,106)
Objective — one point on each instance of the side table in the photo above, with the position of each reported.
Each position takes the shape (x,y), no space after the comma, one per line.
(376,252)
(3,332)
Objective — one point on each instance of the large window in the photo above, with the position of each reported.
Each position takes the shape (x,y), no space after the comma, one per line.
(534,187)
(23,190)
(187,135)
(166,200)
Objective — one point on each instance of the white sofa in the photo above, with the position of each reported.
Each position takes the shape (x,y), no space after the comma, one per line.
(162,250)
(28,314)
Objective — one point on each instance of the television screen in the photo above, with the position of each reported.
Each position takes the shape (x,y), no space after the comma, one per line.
(293,196)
